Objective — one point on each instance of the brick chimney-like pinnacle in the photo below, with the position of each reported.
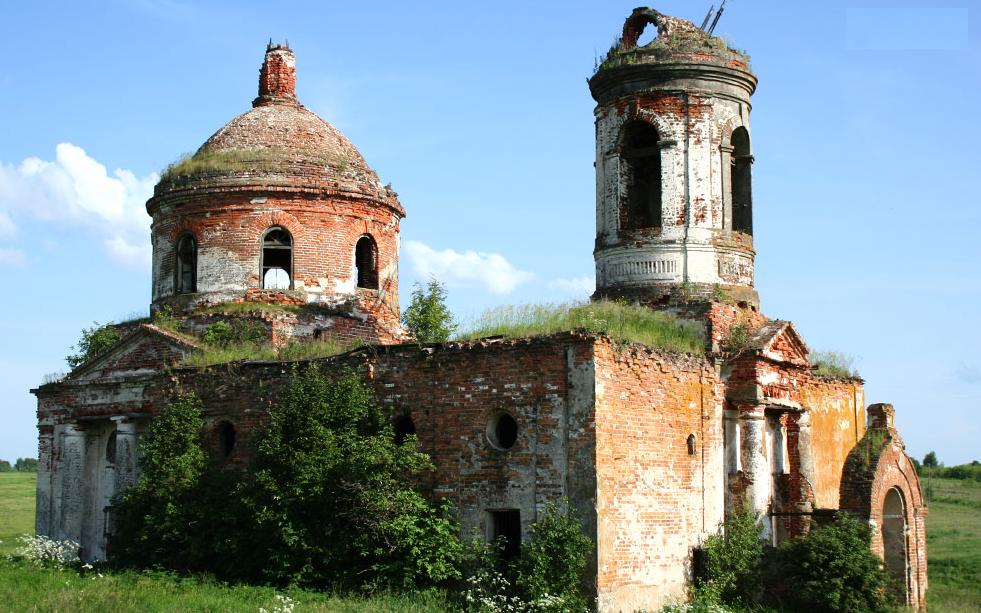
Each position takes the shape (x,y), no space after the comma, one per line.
(277,79)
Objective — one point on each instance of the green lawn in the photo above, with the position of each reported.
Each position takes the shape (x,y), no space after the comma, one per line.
(953,545)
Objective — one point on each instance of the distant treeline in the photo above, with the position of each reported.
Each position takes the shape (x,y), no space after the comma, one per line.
(22,465)
(931,467)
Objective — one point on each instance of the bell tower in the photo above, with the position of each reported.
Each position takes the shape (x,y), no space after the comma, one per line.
(674,197)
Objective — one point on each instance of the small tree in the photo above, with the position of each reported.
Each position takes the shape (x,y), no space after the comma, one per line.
(333,500)
(832,569)
(427,316)
(553,562)
(95,341)
(5,466)
(930,460)
(26,465)
(733,560)
(155,519)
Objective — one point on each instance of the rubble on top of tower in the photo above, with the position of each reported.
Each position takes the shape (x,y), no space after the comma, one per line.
(677,40)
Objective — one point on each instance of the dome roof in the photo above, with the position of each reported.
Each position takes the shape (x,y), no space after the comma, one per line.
(278,143)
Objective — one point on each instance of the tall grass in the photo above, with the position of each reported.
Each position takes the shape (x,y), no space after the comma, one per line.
(621,322)
(211,355)
(833,364)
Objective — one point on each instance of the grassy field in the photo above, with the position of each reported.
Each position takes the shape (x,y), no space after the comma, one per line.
(953,544)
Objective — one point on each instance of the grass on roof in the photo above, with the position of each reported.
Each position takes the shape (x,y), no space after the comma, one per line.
(622,322)
(833,364)
(249,160)
(266,352)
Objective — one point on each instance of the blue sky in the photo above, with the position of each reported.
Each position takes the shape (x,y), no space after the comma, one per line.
(865,183)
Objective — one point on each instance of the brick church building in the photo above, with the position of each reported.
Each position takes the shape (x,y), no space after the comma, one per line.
(651,448)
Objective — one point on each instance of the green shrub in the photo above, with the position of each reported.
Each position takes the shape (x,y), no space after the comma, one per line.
(553,562)
(5,467)
(427,317)
(155,519)
(738,339)
(95,341)
(332,499)
(831,569)
(833,364)
(734,558)
(222,334)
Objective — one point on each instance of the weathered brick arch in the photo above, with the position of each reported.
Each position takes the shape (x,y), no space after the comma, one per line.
(636,114)
(877,465)
(260,223)
(186,226)
(728,127)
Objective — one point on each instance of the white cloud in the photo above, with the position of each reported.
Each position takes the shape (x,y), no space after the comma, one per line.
(11,258)
(489,270)
(577,286)
(76,189)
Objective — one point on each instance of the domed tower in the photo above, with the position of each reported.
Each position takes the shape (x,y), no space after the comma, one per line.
(674,212)
(277,206)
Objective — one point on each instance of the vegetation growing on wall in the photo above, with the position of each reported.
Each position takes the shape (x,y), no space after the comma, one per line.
(833,364)
(620,321)
(95,340)
(831,569)
(427,317)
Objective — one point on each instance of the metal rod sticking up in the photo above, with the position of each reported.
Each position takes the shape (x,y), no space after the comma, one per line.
(708,16)
(715,21)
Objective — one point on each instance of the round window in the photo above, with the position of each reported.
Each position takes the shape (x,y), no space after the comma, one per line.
(502,431)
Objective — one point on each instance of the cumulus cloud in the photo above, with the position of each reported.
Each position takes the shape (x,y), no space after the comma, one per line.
(491,271)
(76,189)
(10,258)
(577,286)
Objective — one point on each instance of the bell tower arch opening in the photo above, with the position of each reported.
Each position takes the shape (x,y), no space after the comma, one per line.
(640,159)
(741,178)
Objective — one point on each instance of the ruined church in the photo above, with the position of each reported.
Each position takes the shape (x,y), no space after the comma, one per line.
(651,448)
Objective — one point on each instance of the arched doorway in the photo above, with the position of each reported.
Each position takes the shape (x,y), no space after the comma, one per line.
(894,540)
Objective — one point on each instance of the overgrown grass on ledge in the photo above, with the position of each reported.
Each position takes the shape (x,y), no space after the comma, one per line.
(211,355)
(621,322)
(234,308)
(252,160)
(833,364)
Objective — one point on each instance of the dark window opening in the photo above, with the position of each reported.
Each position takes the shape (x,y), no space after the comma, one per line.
(277,259)
(641,159)
(186,268)
(404,426)
(226,438)
(742,182)
(505,528)
(111,448)
(366,262)
(502,431)
(691,444)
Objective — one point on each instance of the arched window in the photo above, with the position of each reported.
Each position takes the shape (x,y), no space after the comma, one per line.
(225,438)
(277,259)
(366,262)
(186,266)
(894,538)
(111,448)
(640,158)
(741,177)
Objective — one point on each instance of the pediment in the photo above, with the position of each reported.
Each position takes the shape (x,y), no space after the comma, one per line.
(779,341)
(147,348)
